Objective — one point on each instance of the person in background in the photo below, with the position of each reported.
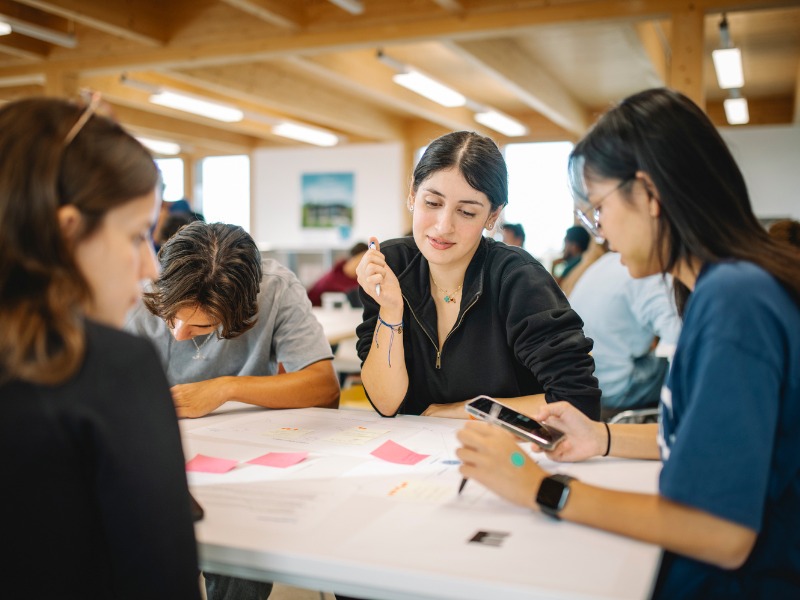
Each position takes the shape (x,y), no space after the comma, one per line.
(576,241)
(674,201)
(223,323)
(341,278)
(459,314)
(171,216)
(592,253)
(786,230)
(171,224)
(625,317)
(514,234)
(95,500)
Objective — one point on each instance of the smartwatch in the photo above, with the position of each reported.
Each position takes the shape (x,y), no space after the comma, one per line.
(553,494)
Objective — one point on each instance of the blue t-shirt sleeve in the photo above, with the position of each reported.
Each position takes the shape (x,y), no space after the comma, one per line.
(720,414)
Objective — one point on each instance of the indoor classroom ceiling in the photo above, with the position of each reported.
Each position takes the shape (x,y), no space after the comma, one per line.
(550,64)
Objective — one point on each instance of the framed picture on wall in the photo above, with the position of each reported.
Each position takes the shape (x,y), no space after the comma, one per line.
(328,200)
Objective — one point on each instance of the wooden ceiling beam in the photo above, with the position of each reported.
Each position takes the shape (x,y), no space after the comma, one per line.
(23,46)
(282,90)
(361,72)
(763,111)
(143,21)
(352,34)
(37,24)
(504,60)
(282,14)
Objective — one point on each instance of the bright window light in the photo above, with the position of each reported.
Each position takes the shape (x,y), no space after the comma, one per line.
(160,146)
(431,89)
(5,28)
(736,111)
(728,65)
(172,178)
(303,133)
(225,189)
(538,194)
(204,108)
(502,123)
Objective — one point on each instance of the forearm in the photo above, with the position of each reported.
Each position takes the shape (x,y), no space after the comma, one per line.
(634,441)
(384,372)
(657,520)
(316,385)
(527,405)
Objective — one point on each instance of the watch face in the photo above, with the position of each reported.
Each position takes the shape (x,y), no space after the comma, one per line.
(551,494)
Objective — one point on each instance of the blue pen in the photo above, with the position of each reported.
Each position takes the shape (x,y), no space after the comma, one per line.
(494,411)
(377,285)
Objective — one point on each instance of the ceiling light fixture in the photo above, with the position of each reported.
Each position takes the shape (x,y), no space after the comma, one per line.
(304,133)
(736,111)
(727,59)
(429,88)
(501,123)
(160,146)
(5,28)
(198,106)
(728,65)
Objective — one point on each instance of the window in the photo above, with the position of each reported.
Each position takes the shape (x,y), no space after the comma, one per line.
(225,189)
(538,195)
(172,177)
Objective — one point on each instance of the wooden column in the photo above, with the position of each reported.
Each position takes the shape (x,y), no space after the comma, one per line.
(686,66)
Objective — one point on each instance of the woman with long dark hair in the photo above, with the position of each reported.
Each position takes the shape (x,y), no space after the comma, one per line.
(657,181)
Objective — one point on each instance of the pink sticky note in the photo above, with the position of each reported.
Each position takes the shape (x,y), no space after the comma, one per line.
(209,464)
(395,453)
(279,459)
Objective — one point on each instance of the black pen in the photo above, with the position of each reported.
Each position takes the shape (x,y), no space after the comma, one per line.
(493,412)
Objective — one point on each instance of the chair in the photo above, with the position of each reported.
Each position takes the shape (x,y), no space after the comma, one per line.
(637,415)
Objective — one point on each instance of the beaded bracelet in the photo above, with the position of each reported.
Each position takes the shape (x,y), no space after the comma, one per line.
(398,327)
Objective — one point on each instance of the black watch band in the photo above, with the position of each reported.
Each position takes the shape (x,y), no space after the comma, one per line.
(553,494)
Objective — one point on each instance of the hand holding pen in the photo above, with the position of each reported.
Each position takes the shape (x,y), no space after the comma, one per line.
(494,412)
(377,285)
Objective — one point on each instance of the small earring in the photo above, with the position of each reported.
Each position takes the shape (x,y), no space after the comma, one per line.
(490,226)
(411,208)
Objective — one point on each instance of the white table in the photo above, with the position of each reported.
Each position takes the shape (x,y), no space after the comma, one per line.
(345,521)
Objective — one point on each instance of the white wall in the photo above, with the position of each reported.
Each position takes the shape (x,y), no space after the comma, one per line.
(770,160)
(768,156)
(378,205)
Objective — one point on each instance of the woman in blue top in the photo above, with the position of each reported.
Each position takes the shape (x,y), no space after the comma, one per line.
(674,201)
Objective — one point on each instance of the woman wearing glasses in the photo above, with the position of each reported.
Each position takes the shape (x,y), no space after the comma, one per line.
(655,179)
(95,503)
(458,314)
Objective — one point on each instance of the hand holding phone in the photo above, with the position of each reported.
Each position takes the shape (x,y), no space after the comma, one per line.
(486,409)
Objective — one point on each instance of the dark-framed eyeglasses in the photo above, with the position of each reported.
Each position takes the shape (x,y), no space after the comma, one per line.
(588,213)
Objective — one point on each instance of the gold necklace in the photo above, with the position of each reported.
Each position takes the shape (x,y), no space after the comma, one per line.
(448,296)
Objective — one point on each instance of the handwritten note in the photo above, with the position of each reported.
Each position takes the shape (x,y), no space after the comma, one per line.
(280,460)
(395,453)
(209,464)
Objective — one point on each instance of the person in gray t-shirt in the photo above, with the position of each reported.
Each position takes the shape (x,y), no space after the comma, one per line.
(224,324)
(229,327)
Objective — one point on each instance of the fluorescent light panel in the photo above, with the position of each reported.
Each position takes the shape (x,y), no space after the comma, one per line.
(160,146)
(5,28)
(430,88)
(303,133)
(204,108)
(501,123)
(736,111)
(728,65)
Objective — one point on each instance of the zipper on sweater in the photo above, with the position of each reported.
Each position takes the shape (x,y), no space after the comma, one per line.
(456,326)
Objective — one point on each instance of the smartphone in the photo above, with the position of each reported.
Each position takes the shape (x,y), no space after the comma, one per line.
(515,422)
